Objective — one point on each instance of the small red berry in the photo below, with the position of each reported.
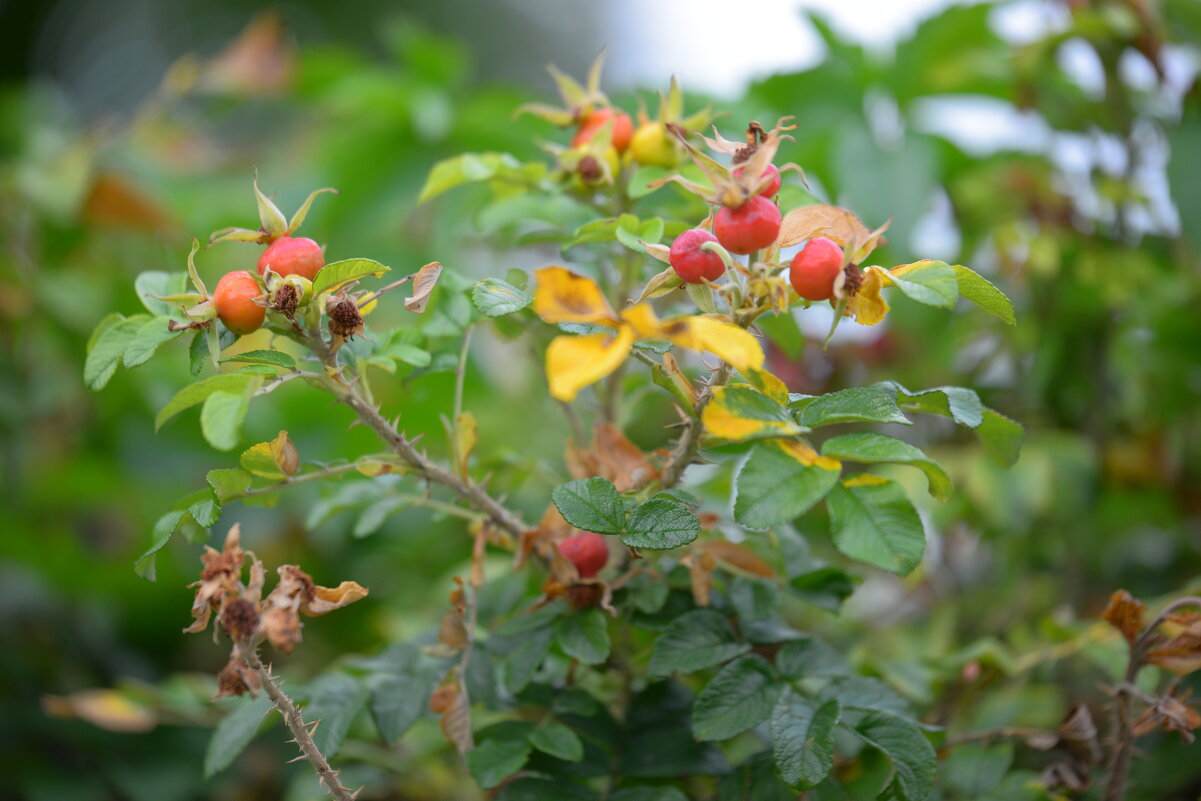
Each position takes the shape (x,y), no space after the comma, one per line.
(623,128)
(771,188)
(233,298)
(749,227)
(814,269)
(293,255)
(587,551)
(690,262)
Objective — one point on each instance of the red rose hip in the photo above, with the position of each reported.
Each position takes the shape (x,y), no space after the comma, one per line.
(587,550)
(814,269)
(769,170)
(623,128)
(690,262)
(749,227)
(234,299)
(293,255)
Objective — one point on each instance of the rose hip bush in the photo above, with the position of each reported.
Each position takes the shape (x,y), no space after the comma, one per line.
(641,642)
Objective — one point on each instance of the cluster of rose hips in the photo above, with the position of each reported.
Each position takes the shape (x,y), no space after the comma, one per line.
(749,226)
(237,292)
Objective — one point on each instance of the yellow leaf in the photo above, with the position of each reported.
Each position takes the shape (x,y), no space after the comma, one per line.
(733,345)
(642,317)
(466,437)
(573,363)
(864,480)
(566,297)
(768,384)
(108,709)
(739,412)
(804,454)
(327,599)
(867,306)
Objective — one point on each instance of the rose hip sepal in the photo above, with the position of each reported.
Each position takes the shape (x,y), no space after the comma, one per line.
(587,550)
(690,262)
(752,226)
(815,268)
(769,171)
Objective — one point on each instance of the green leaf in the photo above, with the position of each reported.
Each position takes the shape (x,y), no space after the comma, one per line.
(164,528)
(803,739)
(773,486)
(339,273)
(495,298)
(584,635)
(1002,437)
(930,282)
(398,700)
(199,391)
(755,780)
(694,641)
(552,737)
(336,700)
(738,698)
(875,523)
(875,404)
(973,769)
(203,506)
(470,168)
(628,233)
(107,349)
(661,523)
(271,358)
(651,231)
(591,504)
(866,693)
(648,793)
(228,484)
(494,760)
(222,415)
(639,183)
(807,657)
(959,403)
(235,732)
(529,788)
(912,756)
(871,448)
(146,341)
(826,587)
(740,413)
(979,290)
(163,284)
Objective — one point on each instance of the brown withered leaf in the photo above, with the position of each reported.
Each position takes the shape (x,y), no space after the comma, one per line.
(260,61)
(1171,714)
(453,631)
(1078,736)
(237,679)
(455,717)
(327,599)
(424,282)
(622,461)
(1126,614)
(737,556)
(541,540)
(1181,654)
(700,569)
(832,222)
(296,593)
(114,201)
(220,580)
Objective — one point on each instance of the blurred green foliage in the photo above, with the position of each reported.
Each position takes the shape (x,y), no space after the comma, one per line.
(1102,369)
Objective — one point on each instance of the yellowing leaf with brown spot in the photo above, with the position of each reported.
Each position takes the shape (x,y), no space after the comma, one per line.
(107,709)
(805,454)
(573,363)
(733,345)
(768,384)
(867,306)
(566,297)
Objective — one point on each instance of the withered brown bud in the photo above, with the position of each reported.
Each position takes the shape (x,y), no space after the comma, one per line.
(585,594)
(286,300)
(854,279)
(230,681)
(590,169)
(345,319)
(240,618)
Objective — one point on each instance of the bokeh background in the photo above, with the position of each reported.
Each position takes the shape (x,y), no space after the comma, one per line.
(1053,146)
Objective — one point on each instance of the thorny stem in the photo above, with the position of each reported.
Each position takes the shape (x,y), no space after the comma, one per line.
(369,415)
(689,442)
(301,731)
(1119,766)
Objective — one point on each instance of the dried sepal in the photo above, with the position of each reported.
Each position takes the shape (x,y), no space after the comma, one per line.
(1126,614)
(424,281)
